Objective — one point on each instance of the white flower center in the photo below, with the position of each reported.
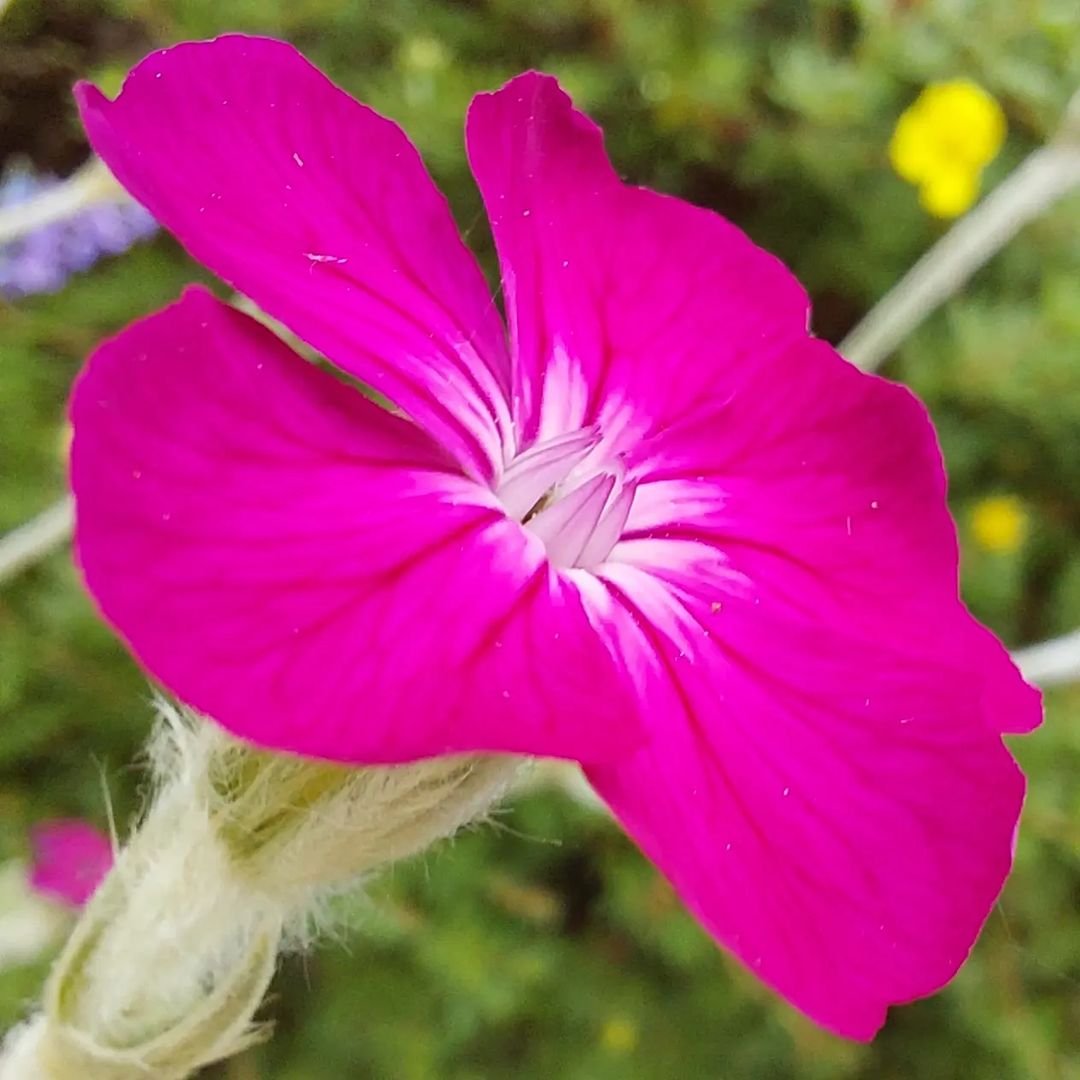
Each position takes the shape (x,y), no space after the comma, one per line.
(578,509)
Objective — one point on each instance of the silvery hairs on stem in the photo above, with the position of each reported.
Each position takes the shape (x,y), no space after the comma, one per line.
(234,861)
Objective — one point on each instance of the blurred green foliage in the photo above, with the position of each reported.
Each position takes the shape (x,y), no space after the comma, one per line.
(549,948)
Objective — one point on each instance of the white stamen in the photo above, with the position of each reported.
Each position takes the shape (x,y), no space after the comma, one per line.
(540,468)
(606,534)
(567,525)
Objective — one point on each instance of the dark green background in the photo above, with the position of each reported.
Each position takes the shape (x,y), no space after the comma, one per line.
(548,947)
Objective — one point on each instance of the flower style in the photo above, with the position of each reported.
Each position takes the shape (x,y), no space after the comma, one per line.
(652,525)
(70,858)
(943,142)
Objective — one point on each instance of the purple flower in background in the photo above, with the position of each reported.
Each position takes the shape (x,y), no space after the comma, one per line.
(44,259)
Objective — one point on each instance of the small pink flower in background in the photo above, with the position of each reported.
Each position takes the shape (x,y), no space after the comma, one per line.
(70,858)
(650,524)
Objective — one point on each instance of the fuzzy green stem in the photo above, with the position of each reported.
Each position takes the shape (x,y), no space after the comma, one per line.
(169,963)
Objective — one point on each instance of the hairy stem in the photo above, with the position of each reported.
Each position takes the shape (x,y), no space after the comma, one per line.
(169,963)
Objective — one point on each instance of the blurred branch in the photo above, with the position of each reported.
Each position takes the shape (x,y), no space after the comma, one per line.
(1051,663)
(24,546)
(1040,181)
(91,184)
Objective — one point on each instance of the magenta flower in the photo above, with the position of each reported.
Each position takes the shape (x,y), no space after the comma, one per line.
(70,858)
(652,524)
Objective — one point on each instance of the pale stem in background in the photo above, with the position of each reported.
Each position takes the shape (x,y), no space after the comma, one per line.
(1051,663)
(92,184)
(1050,173)
(24,546)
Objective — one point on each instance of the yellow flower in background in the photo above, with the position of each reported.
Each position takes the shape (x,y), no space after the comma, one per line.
(999,524)
(944,140)
(619,1036)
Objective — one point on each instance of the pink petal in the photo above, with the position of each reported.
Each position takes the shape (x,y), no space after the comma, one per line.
(822,490)
(826,784)
(313,571)
(836,814)
(321,211)
(626,307)
(70,858)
